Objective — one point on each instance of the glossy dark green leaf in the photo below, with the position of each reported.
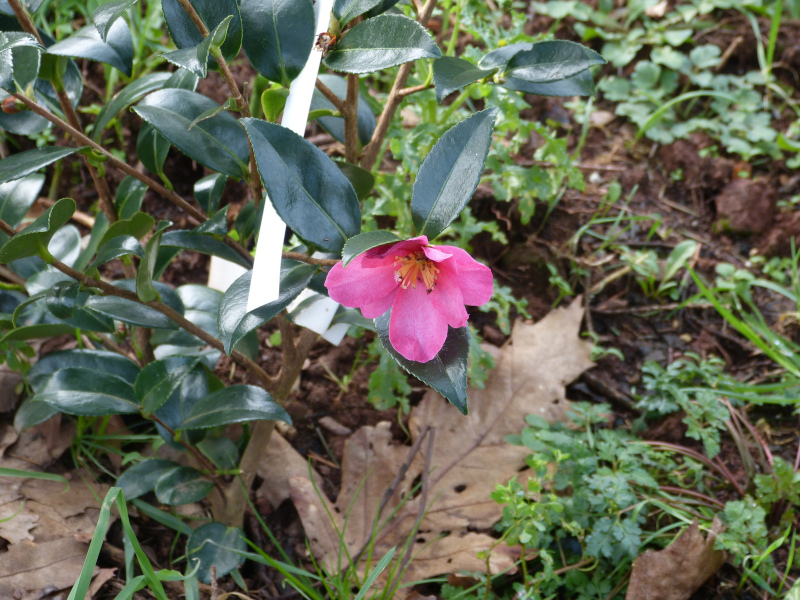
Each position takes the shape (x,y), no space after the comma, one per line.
(347,10)
(235,404)
(32,413)
(83,318)
(202,307)
(137,226)
(362,180)
(381,8)
(499,57)
(125,97)
(581,84)
(208,191)
(129,312)
(79,391)
(366,241)
(215,545)
(160,378)
(35,332)
(446,373)
(381,42)
(61,298)
(551,61)
(152,149)
(234,322)
(116,51)
(145,289)
(168,295)
(185,34)
(24,163)
(129,197)
(16,197)
(195,59)
(35,237)
(305,186)
(196,386)
(142,477)
(105,16)
(204,244)
(92,360)
(217,225)
(222,451)
(451,74)
(450,173)
(20,56)
(278,37)
(183,485)
(217,142)
(98,231)
(335,125)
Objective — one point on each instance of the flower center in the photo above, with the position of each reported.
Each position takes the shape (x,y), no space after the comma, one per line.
(416,266)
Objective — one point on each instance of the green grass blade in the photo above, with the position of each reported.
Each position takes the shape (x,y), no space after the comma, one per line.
(374,574)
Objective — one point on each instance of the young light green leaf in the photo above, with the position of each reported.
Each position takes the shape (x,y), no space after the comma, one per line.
(217,142)
(446,373)
(116,51)
(33,240)
(366,241)
(137,226)
(235,404)
(381,42)
(145,289)
(79,391)
(450,173)
(305,186)
(279,36)
(451,74)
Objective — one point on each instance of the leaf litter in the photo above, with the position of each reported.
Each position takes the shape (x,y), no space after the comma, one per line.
(438,490)
(45,525)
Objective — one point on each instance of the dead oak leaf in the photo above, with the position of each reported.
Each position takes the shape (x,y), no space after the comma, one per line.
(461,461)
(678,570)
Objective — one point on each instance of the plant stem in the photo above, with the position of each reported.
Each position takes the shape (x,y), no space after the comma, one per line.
(351,120)
(372,150)
(328,93)
(241,103)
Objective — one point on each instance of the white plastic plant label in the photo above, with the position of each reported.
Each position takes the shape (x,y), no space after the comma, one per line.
(265,286)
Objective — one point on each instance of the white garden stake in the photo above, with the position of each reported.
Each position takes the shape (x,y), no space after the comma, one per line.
(265,283)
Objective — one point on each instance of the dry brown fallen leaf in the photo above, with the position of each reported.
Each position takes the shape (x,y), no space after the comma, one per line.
(678,570)
(466,457)
(47,531)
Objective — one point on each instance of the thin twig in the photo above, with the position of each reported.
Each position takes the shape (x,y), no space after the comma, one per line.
(106,202)
(371,150)
(414,89)
(328,93)
(324,262)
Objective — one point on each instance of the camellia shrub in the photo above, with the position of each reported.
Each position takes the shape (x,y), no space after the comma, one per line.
(149,350)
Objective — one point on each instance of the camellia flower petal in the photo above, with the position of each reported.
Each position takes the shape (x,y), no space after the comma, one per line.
(425,286)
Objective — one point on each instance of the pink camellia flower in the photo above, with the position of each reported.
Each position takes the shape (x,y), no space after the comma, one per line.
(425,286)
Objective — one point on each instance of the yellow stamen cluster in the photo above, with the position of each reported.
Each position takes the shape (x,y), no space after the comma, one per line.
(416,266)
